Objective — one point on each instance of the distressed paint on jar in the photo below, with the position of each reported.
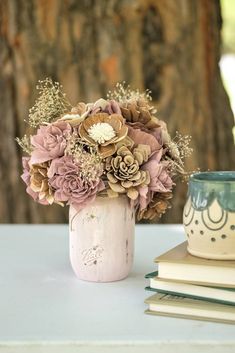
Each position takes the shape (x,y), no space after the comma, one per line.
(102,239)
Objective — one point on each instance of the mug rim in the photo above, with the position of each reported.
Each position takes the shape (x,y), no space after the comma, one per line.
(224,176)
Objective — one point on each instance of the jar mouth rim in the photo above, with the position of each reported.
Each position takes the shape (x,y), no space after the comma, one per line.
(214,177)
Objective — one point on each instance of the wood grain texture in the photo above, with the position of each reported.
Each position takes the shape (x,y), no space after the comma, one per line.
(171,47)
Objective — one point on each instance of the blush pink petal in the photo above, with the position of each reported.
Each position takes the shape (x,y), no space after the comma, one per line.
(112,107)
(143,197)
(49,142)
(157,133)
(144,138)
(68,185)
(160,181)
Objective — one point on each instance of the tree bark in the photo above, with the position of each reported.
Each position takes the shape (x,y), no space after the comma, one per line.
(171,47)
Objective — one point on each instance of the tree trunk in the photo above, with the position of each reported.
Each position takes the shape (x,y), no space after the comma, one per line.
(171,47)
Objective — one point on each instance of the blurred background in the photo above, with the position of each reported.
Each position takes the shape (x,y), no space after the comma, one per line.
(182,50)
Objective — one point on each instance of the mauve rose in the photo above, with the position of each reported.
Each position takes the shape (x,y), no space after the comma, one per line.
(26,178)
(144,138)
(105,106)
(64,178)
(160,180)
(49,142)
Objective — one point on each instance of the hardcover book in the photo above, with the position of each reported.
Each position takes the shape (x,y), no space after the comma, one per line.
(212,294)
(169,305)
(178,265)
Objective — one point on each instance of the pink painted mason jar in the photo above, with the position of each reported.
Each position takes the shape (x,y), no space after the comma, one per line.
(102,239)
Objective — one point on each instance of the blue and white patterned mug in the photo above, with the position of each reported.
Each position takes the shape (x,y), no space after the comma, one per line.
(209,215)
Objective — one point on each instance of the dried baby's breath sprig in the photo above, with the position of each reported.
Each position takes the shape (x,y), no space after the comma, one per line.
(179,149)
(88,158)
(183,144)
(25,144)
(124,94)
(50,104)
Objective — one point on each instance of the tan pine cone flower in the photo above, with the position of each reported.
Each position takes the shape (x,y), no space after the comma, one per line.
(138,113)
(123,170)
(104,131)
(39,182)
(156,208)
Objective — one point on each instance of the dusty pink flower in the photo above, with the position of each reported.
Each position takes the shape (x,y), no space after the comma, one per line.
(26,178)
(160,180)
(144,138)
(65,178)
(105,106)
(49,142)
(161,133)
(112,108)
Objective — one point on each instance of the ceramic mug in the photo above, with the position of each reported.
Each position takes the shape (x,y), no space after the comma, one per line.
(209,215)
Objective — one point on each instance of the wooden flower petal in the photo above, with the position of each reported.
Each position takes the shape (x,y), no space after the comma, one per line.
(143,138)
(138,156)
(75,122)
(135,114)
(124,151)
(142,153)
(94,119)
(83,134)
(121,134)
(126,113)
(127,141)
(115,123)
(145,116)
(117,187)
(118,117)
(126,184)
(128,160)
(112,193)
(153,123)
(116,162)
(132,193)
(106,151)
(136,176)
(111,178)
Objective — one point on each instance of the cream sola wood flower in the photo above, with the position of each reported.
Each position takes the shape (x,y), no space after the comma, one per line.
(36,179)
(39,182)
(101,132)
(77,114)
(104,131)
(81,111)
(123,169)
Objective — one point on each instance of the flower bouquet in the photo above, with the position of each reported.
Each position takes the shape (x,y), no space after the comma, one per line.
(114,150)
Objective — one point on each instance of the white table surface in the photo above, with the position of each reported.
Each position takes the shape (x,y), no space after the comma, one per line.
(44,308)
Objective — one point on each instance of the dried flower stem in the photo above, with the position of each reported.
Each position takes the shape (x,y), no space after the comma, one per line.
(24,143)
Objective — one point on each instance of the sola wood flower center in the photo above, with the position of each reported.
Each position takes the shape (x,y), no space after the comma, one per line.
(101,132)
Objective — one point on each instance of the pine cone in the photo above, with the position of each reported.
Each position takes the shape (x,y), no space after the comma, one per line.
(138,114)
(39,182)
(156,208)
(123,170)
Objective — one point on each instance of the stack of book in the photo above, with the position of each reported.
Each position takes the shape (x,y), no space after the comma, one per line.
(189,286)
